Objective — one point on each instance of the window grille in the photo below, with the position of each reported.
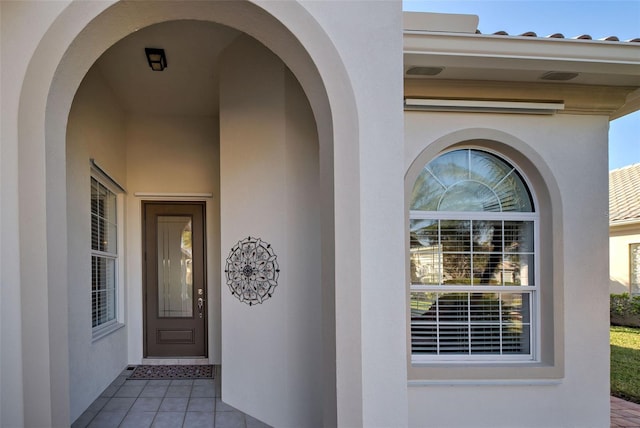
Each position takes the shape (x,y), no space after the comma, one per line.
(472,256)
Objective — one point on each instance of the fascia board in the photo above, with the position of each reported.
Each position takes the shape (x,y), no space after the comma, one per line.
(625,227)
(521,52)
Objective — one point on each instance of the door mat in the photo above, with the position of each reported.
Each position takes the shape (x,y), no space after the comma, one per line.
(173,372)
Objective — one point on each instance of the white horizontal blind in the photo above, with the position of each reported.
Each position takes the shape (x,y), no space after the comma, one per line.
(104,255)
(467,323)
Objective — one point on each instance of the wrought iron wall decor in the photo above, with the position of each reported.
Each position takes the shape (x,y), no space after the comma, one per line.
(252,271)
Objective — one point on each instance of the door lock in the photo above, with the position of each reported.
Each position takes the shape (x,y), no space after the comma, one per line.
(200,306)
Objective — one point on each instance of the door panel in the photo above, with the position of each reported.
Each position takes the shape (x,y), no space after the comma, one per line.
(174,279)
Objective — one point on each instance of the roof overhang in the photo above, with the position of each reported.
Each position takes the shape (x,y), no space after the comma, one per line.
(469,57)
(628,224)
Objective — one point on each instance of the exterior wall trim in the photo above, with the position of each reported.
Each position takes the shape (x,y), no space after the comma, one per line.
(616,57)
(577,99)
(551,363)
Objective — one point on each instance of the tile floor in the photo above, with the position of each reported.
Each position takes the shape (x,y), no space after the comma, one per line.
(624,414)
(181,403)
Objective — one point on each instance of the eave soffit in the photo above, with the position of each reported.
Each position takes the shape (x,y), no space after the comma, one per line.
(491,67)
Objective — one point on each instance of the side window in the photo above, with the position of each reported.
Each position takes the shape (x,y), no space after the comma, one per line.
(473,250)
(104,255)
(634,269)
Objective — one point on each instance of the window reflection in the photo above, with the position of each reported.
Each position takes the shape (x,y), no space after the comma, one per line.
(175,267)
(472,258)
(470,323)
(471,252)
(470,180)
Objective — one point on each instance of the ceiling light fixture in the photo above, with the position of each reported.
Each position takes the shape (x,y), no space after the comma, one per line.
(157,59)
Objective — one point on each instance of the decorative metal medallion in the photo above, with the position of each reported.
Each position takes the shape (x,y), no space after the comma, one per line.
(252,271)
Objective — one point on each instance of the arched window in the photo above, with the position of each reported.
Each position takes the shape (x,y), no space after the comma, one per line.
(473,235)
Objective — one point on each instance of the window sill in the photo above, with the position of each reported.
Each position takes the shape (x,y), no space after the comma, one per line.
(483,382)
(512,372)
(102,331)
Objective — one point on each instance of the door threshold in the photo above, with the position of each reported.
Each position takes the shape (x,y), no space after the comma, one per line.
(176,361)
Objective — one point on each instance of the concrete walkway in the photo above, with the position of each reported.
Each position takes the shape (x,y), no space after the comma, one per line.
(624,414)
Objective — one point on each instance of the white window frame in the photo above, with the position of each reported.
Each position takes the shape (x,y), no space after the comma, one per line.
(533,291)
(634,269)
(117,322)
(534,355)
(548,367)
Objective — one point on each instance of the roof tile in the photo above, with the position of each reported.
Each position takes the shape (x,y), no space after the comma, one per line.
(562,36)
(624,194)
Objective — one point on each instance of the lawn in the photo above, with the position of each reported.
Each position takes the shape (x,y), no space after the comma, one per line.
(625,363)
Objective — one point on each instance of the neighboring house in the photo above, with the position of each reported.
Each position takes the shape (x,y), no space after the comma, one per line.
(266,204)
(624,229)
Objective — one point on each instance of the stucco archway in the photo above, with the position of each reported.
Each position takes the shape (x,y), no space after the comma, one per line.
(80,34)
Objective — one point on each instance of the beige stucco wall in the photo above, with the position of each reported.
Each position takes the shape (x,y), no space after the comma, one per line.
(172,158)
(96,131)
(361,157)
(562,148)
(22,26)
(47,48)
(269,187)
(619,270)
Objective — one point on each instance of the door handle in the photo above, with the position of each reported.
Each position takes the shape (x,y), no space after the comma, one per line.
(200,306)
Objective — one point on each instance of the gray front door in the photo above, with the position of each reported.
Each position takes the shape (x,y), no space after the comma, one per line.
(174,279)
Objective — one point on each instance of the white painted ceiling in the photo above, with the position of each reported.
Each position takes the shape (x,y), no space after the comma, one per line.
(189,84)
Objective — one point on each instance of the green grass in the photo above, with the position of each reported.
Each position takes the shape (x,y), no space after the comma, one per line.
(625,363)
